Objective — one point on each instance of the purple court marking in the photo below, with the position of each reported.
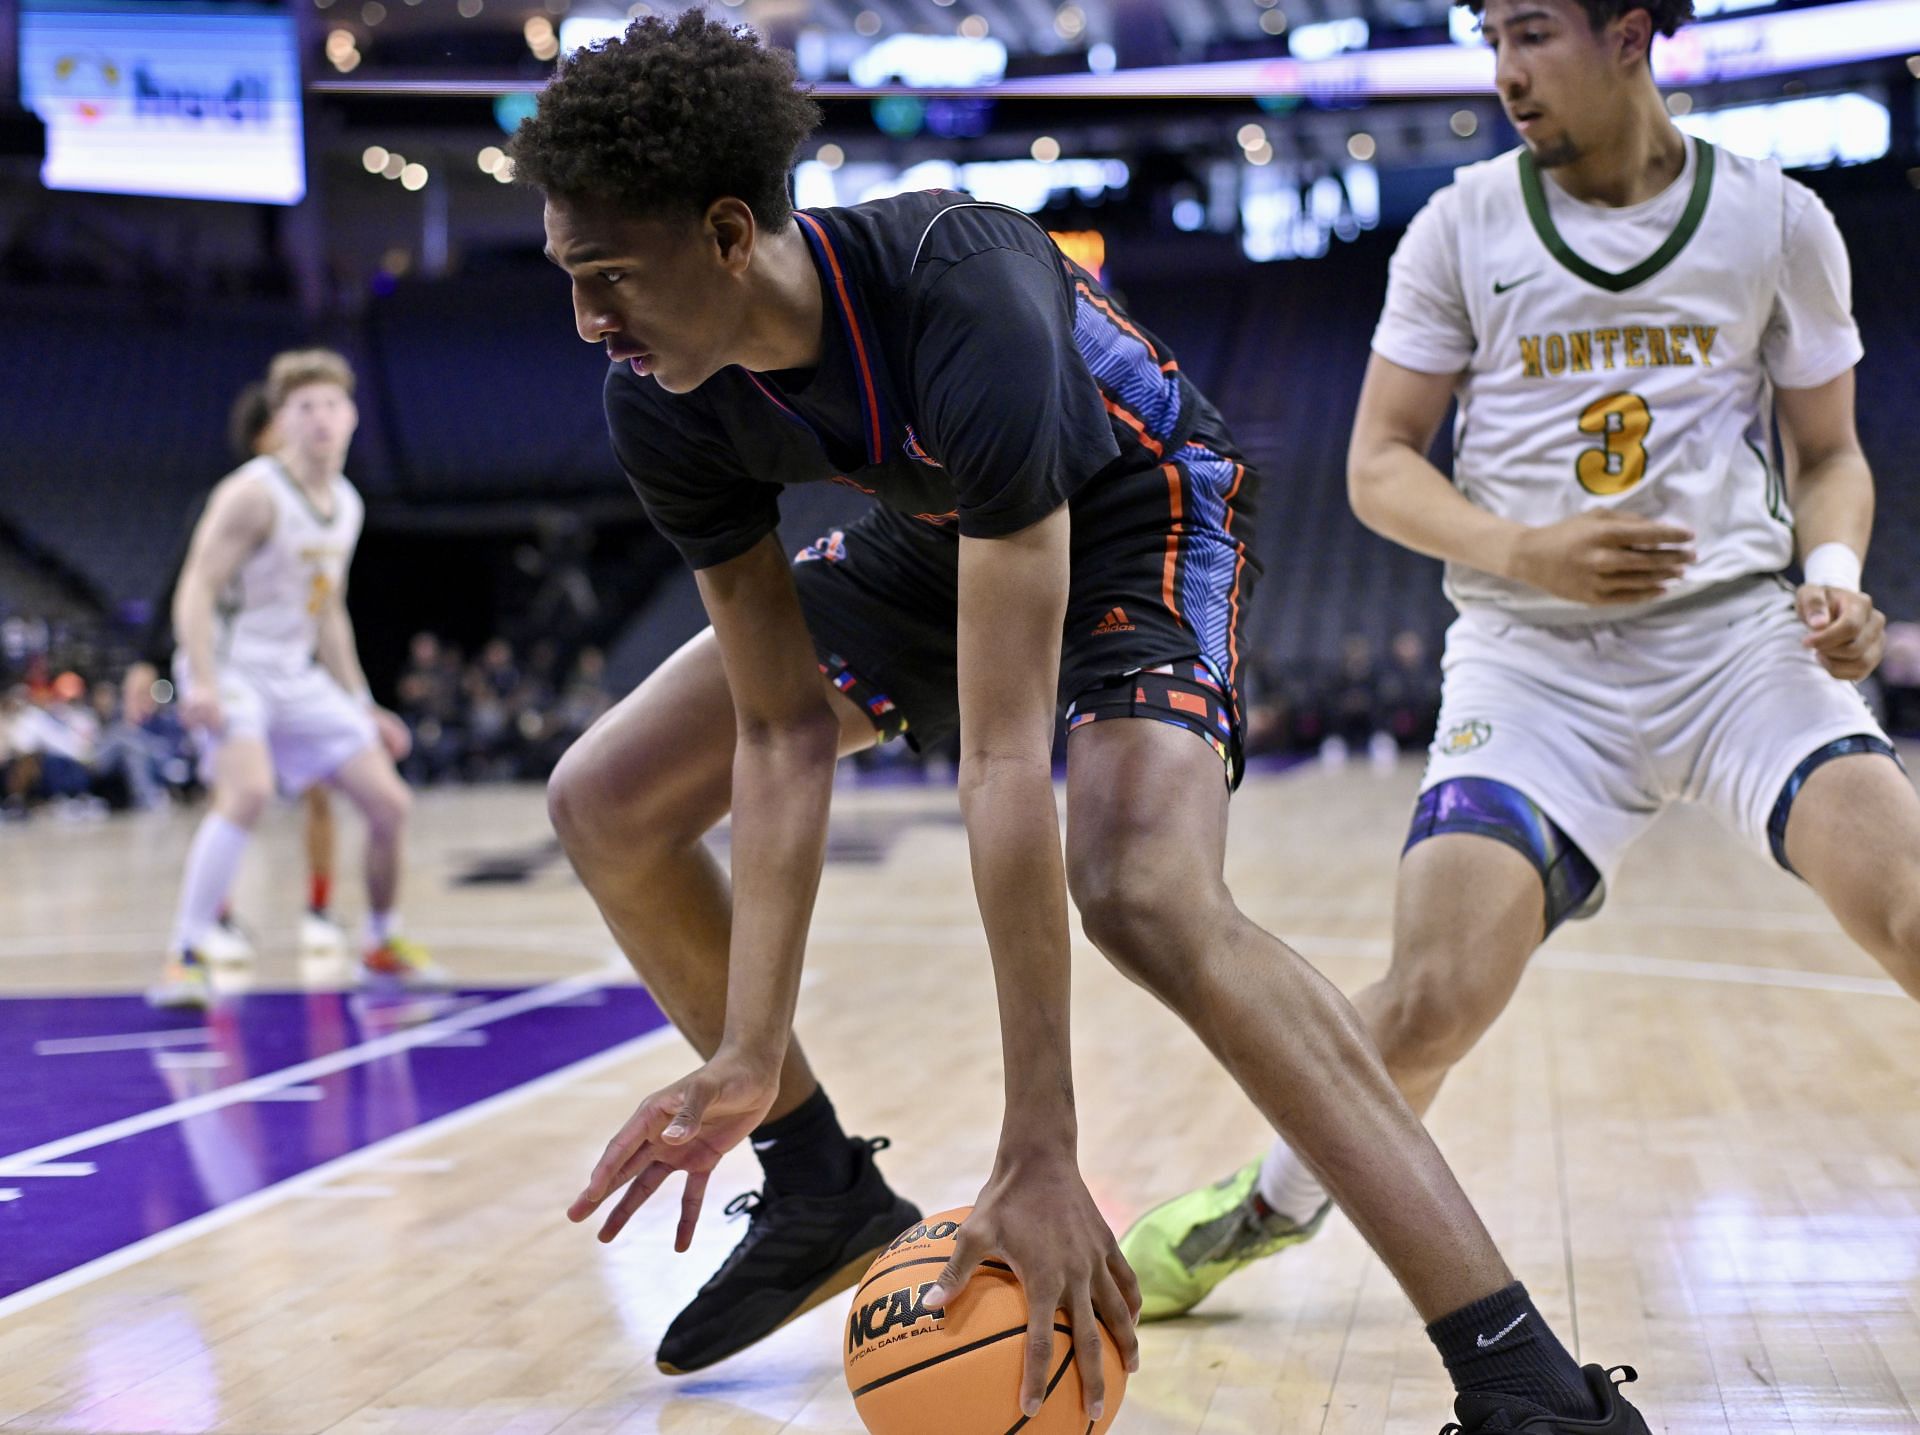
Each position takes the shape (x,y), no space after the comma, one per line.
(132,1140)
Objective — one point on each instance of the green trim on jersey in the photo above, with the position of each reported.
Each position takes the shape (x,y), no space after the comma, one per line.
(325,520)
(1536,198)
(1776,485)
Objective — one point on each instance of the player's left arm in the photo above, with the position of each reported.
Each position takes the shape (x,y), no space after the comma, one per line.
(1831,489)
(1810,347)
(1035,1208)
(339,653)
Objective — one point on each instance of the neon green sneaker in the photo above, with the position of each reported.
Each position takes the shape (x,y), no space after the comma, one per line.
(184,985)
(400,962)
(1183,1248)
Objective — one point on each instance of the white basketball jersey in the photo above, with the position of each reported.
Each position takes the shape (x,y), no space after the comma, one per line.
(269,617)
(1645,388)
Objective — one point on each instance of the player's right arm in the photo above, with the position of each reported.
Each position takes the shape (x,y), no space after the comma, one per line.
(1423,343)
(787,740)
(1601,556)
(238,519)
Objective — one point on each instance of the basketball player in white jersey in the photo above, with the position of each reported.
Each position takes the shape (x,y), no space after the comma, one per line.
(263,593)
(250,435)
(1621,312)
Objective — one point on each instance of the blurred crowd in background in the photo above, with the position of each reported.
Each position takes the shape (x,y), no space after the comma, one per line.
(81,737)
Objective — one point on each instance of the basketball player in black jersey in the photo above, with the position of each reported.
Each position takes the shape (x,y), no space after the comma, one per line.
(1060,527)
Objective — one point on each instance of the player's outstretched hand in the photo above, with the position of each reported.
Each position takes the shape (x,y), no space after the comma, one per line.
(1603,556)
(1846,632)
(1037,1215)
(395,736)
(685,1127)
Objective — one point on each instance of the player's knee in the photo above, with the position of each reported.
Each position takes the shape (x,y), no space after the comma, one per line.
(1140,923)
(595,798)
(1902,937)
(243,803)
(1432,1016)
(385,805)
(390,808)
(576,796)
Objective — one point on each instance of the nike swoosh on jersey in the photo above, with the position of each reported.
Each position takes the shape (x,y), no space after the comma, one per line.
(1500,288)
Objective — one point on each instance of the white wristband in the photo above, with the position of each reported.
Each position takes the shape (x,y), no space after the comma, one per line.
(1833,565)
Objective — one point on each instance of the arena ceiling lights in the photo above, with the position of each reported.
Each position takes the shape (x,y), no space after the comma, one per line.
(1737,48)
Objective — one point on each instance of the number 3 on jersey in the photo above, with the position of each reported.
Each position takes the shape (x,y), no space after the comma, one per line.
(1621,422)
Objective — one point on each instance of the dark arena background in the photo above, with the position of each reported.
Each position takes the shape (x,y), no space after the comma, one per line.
(308,1211)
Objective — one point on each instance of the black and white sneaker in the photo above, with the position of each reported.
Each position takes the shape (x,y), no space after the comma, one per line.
(798,1251)
(1493,1415)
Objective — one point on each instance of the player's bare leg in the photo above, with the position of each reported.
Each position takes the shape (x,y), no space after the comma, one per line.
(1854,834)
(369,781)
(319,936)
(242,786)
(632,802)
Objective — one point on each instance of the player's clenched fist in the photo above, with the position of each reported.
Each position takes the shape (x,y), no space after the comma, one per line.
(1846,632)
(1602,556)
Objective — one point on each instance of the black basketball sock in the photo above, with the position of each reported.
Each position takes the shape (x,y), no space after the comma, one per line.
(1502,1346)
(805,1153)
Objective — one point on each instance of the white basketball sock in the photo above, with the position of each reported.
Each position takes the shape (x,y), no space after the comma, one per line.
(380,926)
(1288,1186)
(212,862)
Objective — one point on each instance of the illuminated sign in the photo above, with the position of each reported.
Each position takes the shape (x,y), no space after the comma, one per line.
(1775,43)
(1813,130)
(1023,184)
(577,31)
(930,62)
(1287,212)
(165,98)
(1730,49)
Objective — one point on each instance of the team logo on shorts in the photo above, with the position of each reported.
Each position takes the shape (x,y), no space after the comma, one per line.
(1464,737)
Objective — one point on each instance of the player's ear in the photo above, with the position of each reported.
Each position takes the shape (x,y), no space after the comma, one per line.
(733,230)
(1634,37)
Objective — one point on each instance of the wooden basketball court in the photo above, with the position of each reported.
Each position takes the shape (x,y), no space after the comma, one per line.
(1696,1135)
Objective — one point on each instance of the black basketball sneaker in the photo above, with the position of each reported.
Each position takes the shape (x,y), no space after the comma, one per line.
(1495,1415)
(798,1251)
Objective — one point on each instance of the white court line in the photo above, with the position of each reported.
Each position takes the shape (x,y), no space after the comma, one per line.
(1632,964)
(308,1071)
(17,1170)
(131,1041)
(189,1060)
(376,1154)
(154,940)
(9,1194)
(419,1166)
(1374,948)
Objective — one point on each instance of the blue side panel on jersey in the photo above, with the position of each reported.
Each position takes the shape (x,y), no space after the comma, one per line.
(1208,554)
(1126,368)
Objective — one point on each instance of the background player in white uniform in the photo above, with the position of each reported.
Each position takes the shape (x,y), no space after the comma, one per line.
(250,435)
(1621,312)
(262,593)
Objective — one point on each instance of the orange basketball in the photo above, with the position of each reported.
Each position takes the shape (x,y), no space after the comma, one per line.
(915,1371)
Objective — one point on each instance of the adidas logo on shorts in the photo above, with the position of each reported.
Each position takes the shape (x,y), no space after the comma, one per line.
(1114,622)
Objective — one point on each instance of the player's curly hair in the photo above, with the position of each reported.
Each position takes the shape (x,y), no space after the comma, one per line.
(668,118)
(1667,15)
